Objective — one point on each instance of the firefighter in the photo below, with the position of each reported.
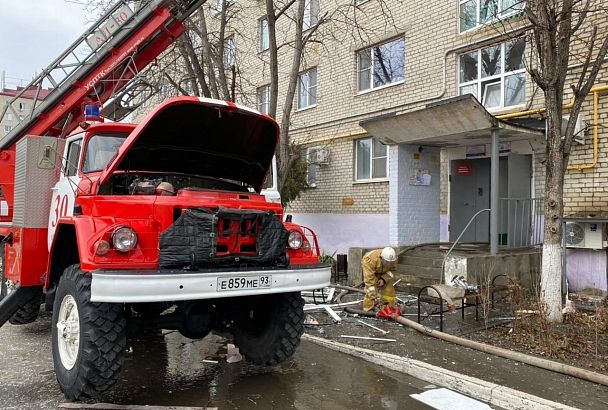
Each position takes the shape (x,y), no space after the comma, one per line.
(378,278)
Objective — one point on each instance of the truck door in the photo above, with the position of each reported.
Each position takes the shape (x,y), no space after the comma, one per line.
(64,192)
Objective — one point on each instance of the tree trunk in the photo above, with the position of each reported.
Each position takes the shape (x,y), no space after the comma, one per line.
(551,276)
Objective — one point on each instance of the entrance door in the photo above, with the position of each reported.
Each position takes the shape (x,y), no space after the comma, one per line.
(470,193)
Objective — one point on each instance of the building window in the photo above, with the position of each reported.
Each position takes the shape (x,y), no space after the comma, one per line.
(7,129)
(22,107)
(496,75)
(9,116)
(264,35)
(311,14)
(381,65)
(371,159)
(263,95)
(217,5)
(307,89)
(229,52)
(474,13)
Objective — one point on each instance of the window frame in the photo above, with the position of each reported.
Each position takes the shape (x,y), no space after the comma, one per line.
(496,78)
(264,34)
(67,164)
(494,19)
(229,52)
(217,6)
(371,162)
(311,14)
(371,67)
(308,93)
(266,92)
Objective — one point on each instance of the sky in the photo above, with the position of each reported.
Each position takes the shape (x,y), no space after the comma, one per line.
(33,33)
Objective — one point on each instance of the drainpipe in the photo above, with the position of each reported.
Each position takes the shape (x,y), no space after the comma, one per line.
(494,170)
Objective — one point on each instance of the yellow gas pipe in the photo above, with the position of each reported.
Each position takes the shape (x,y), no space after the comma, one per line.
(596,91)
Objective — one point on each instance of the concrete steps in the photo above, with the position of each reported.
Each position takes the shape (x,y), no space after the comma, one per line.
(420,267)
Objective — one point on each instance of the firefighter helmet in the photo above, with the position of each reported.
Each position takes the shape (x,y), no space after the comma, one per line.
(388,255)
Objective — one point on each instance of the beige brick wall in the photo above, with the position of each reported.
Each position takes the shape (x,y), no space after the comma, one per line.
(431,36)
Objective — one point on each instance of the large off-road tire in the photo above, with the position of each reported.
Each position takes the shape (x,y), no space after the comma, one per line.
(27,313)
(269,328)
(88,338)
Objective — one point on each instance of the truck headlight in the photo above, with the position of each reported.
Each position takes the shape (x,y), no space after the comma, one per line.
(124,239)
(295,240)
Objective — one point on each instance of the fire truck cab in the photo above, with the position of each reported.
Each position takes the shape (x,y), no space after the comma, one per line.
(162,223)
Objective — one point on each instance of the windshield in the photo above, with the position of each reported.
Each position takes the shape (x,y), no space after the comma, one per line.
(101,148)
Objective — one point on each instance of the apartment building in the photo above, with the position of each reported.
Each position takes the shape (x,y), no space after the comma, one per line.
(395,109)
(23,105)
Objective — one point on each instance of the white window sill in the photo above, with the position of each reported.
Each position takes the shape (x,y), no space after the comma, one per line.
(506,110)
(491,22)
(370,90)
(370,181)
(306,108)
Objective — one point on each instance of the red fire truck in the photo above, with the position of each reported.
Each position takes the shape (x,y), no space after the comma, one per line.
(109,223)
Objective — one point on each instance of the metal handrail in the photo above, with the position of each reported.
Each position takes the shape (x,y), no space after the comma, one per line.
(457,240)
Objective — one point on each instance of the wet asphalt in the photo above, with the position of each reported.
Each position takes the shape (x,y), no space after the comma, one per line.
(169,370)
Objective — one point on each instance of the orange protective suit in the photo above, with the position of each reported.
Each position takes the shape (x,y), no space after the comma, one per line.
(373,270)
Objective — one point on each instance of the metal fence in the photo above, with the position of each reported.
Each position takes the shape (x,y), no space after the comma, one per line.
(521,222)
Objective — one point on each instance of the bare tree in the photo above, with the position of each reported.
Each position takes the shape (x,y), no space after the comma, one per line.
(562,30)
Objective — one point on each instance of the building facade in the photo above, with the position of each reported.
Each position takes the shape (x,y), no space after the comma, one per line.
(397,153)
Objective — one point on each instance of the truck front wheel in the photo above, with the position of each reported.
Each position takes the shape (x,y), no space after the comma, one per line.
(88,338)
(268,328)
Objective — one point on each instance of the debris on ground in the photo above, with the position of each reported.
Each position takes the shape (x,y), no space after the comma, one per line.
(377,339)
(233,355)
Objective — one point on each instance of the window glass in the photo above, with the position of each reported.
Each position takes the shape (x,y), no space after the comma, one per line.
(515,89)
(490,61)
(381,65)
(101,149)
(229,52)
(363,158)
(372,159)
(311,14)
(307,88)
(502,83)
(388,62)
(488,10)
(468,15)
(473,13)
(514,54)
(468,67)
(71,165)
(264,39)
(365,69)
(491,94)
(510,6)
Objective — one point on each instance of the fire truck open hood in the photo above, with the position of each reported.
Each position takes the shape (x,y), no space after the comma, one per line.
(199,136)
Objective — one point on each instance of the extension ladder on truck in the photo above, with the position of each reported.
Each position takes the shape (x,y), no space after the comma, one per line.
(97,66)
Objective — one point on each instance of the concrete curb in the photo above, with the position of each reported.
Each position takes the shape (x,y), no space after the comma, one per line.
(491,393)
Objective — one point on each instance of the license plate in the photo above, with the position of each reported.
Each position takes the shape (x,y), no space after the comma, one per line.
(244,282)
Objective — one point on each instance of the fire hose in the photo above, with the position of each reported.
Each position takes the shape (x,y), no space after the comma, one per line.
(482,347)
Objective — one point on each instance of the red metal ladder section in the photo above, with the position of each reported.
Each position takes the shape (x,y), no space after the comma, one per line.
(97,66)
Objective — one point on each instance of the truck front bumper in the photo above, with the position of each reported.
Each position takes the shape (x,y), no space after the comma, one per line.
(125,286)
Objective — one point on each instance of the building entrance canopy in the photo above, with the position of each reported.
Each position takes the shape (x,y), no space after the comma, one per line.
(452,122)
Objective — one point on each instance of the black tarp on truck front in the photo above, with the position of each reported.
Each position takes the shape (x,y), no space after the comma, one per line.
(191,242)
